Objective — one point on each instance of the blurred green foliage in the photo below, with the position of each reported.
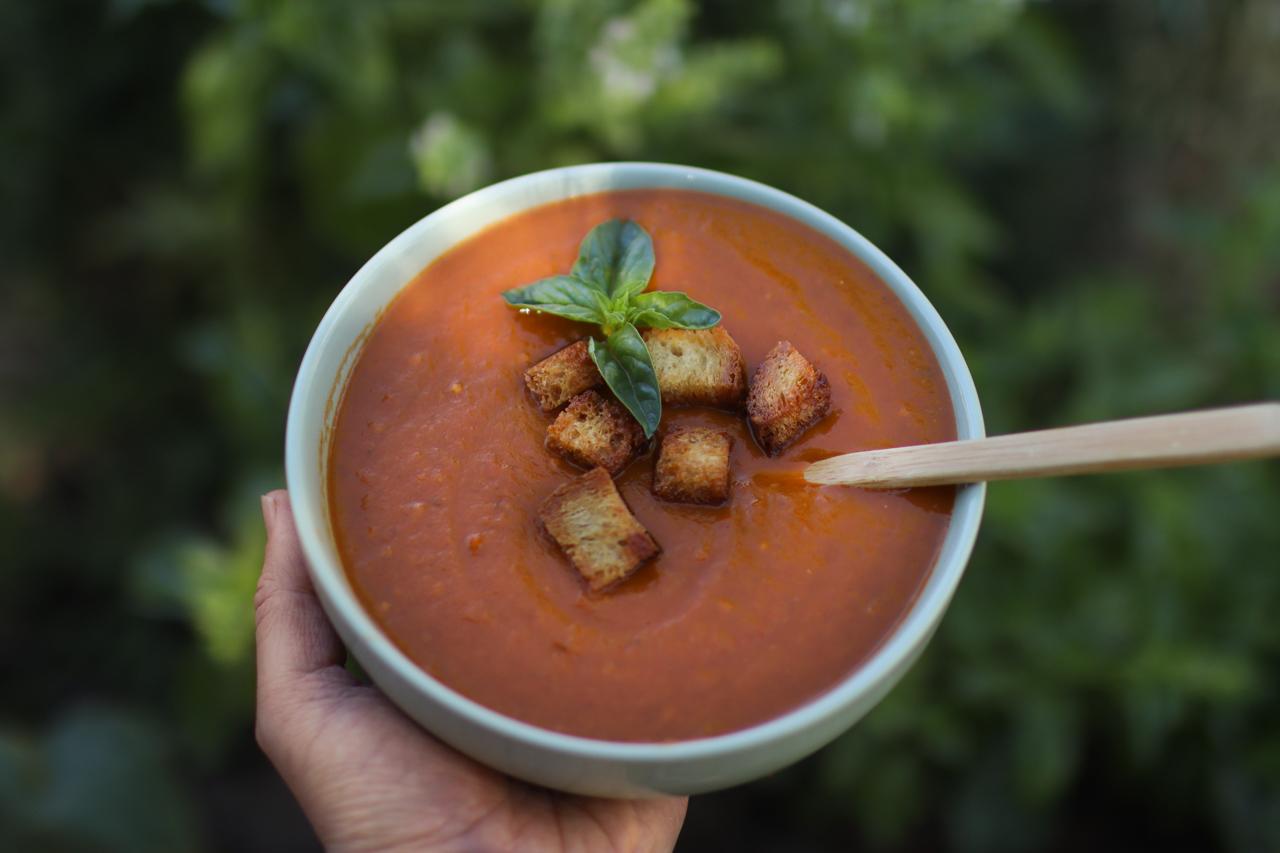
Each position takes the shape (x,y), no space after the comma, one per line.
(1087,191)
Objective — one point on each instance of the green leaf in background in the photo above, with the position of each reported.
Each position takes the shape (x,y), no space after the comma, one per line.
(451,158)
(562,295)
(660,309)
(99,779)
(623,360)
(209,581)
(616,258)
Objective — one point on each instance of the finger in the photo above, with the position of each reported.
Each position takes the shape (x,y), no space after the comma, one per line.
(646,824)
(664,819)
(294,637)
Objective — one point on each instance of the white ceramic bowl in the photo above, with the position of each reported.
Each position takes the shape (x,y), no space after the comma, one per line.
(582,765)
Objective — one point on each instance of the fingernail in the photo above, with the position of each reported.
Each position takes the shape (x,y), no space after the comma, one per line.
(268,512)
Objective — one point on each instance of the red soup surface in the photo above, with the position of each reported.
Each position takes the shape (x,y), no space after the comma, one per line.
(438,468)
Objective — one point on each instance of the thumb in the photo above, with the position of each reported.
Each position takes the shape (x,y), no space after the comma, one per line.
(294,638)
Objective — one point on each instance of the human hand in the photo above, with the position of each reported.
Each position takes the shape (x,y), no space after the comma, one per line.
(368,778)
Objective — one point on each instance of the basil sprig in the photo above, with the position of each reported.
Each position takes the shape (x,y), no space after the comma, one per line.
(607,287)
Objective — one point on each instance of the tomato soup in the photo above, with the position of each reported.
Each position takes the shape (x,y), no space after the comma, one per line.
(438,468)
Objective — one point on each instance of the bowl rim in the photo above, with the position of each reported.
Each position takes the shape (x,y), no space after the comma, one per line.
(894,652)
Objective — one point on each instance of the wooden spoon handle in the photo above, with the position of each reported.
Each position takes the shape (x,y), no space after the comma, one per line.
(1165,441)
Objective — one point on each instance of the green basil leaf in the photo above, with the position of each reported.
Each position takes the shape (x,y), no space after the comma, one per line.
(616,258)
(603,306)
(660,309)
(562,295)
(623,360)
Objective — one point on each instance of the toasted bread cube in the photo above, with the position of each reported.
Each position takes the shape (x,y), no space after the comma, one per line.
(596,531)
(561,376)
(698,367)
(693,466)
(788,395)
(596,431)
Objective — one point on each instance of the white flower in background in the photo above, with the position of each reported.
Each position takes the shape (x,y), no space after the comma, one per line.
(630,61)
(849,15)
(450,158)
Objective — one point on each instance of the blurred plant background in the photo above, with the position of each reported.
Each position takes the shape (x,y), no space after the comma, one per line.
(1088,191)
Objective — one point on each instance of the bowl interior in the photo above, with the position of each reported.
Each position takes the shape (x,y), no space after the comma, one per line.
(336,345)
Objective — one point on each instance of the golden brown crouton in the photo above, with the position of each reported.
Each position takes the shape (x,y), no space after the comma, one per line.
(693,466)
(596,531)
(788,395)
(596,431)
(697,367)
(561,376)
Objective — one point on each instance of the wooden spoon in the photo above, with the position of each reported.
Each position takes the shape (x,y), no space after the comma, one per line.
(1165,441)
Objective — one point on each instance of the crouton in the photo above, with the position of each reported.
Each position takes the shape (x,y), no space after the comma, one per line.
(596,431)
(592,525)
(561,376)
(697,367)
(788,395)
(693,466)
